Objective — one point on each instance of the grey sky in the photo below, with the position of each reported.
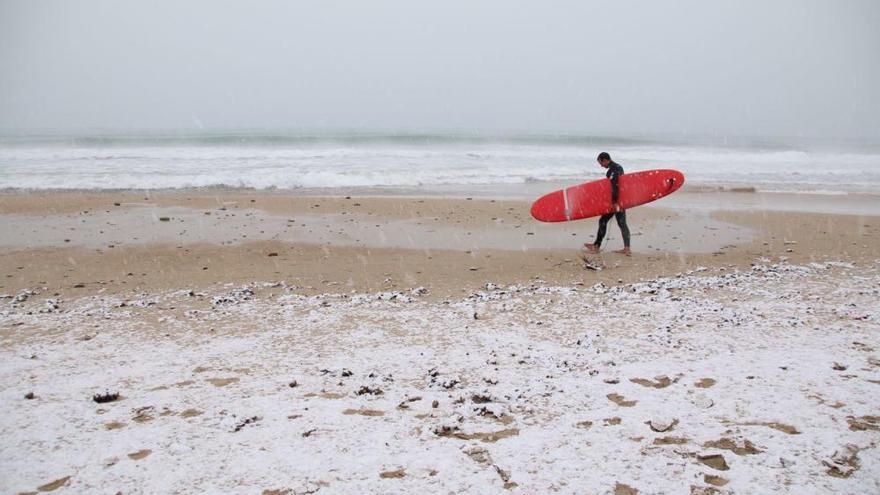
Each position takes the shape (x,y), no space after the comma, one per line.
(789,68)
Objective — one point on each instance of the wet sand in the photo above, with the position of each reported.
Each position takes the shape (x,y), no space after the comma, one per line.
(74,243)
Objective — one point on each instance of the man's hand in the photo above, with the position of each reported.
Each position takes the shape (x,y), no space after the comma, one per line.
(615,207)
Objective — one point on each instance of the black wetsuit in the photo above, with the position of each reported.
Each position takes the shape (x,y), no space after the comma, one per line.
(614,171)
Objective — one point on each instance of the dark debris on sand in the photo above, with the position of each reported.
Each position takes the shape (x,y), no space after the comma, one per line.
(106,397)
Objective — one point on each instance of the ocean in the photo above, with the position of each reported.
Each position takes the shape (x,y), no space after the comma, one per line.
(417,161)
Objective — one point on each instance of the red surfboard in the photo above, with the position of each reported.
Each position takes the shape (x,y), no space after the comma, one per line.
(592,199)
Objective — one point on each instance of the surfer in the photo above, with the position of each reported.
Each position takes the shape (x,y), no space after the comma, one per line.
(613,173)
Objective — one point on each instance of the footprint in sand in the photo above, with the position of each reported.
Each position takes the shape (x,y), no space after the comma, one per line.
(671,440)
(222,382)
(54,485)
(143,414)
(325,395)
(824,402)
(659,382)
(140,454)
(714,461)
(621,400)
(843,463)
(482,457)
(791,430)
(364,412)
(745,447)
(710,479)
(488,437)
(191,413)
(705,383)
(621,489)
(397,473)
(863,423)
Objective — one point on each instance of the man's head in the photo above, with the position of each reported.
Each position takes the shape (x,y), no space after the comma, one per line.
(604,159)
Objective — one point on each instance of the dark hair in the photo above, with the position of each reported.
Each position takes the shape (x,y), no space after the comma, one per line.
(603,156)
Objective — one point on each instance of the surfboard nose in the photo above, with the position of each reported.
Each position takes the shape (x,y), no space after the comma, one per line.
(678,177)
(550,207)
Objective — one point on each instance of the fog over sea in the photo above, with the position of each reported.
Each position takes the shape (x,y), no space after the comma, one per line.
(426,161)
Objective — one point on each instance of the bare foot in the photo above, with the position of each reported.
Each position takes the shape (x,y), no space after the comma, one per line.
(592,248)
(625,251)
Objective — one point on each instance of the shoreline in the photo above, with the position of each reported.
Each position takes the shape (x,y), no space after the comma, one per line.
(716,196)
(432,190)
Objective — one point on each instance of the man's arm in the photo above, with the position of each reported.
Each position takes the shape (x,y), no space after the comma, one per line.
(615,190)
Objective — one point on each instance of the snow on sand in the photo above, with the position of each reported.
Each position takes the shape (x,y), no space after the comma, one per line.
(713,382)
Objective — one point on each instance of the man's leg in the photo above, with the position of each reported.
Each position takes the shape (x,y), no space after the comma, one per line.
(624,231)
(603,226)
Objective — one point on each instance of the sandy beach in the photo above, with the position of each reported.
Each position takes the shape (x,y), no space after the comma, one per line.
(269,342)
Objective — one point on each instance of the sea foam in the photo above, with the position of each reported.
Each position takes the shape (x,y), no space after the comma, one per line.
(410,161)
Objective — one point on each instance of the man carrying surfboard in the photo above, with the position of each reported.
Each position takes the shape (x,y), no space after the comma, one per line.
(613,173)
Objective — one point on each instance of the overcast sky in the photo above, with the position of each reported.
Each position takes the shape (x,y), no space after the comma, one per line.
(765,68)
